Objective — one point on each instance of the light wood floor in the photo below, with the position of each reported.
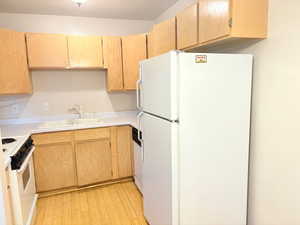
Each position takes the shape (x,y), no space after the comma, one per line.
(117,204)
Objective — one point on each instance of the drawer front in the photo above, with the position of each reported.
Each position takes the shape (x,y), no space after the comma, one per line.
(53,138)
(92,134)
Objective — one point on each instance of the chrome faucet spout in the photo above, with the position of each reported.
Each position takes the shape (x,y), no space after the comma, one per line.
(77,109)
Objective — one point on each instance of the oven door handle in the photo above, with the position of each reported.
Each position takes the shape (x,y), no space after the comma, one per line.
(25,163)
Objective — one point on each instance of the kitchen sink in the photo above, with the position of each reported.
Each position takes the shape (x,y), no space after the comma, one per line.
(71,123)
(86,121)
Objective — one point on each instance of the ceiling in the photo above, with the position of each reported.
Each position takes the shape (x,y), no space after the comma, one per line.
(118,9)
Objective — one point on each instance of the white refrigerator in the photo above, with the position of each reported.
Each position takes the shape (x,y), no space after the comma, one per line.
(195,121)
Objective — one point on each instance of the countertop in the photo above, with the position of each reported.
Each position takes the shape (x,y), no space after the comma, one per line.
(14,128)
(24,129)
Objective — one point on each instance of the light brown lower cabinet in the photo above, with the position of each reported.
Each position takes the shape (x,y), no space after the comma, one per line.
(94,161)
(54,166)
(124,151)
(82,157)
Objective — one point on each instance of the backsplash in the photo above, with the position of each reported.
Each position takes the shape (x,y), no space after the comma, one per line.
(55,92)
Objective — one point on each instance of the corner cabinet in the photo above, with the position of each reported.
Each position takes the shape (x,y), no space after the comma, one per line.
(162,38)
(134,49)
(14,74)
(47,51)
(85,52)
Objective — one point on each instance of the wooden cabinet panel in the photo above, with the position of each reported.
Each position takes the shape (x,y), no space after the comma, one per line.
(47,50)
(162,38)
(214,17)
(249,18)
(94,161)
(112,52)
(14,74)
(125,151)
(134,49)
(92,134)
(53,138)
(85,51)
(187,27)
(54,166)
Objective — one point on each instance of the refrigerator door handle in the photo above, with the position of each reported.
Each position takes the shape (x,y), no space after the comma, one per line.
(139,116)
(138,90)
(138,94)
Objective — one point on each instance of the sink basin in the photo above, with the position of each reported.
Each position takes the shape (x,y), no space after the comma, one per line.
(86,121)
(54,124)
(70,123)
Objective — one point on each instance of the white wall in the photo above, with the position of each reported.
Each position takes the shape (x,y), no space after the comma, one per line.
(275,141)
(56,91)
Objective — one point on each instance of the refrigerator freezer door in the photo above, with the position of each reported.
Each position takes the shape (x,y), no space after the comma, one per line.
(159,182)
(159,86)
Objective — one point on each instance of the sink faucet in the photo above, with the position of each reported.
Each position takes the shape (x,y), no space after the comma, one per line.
(78,110)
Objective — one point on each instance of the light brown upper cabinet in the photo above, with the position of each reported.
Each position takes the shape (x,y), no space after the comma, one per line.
(134,49)
(85,51)
(112,53)
(14,75)
(162,38)
(223,20)
(214,19)
(187,27)
(47,50)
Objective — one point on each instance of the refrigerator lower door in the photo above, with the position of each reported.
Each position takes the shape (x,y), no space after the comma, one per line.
(159,85)
(159,170)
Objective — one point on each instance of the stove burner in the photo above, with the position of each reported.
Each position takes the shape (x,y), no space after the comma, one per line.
(8,140)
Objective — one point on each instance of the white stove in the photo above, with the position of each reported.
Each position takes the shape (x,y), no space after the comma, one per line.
(19,151)
(12,144)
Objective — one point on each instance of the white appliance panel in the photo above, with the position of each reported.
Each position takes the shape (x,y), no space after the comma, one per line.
(159,92)
(159,148)
(138,166)
(215,100)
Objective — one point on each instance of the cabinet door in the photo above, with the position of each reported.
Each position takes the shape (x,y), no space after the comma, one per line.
(162,38)
(187,27)
(85,51)
(54,166)
(112,52)
(214,18)
(47,50)
(125,151)
(14,75)
(94,161)
(134,50)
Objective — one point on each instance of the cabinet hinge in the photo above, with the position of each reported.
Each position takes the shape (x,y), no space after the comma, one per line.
(230,22)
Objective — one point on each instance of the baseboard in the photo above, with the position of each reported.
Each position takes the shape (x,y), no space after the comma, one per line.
(74,189)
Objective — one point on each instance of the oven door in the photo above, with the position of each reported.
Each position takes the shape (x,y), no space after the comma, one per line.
(24,191)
